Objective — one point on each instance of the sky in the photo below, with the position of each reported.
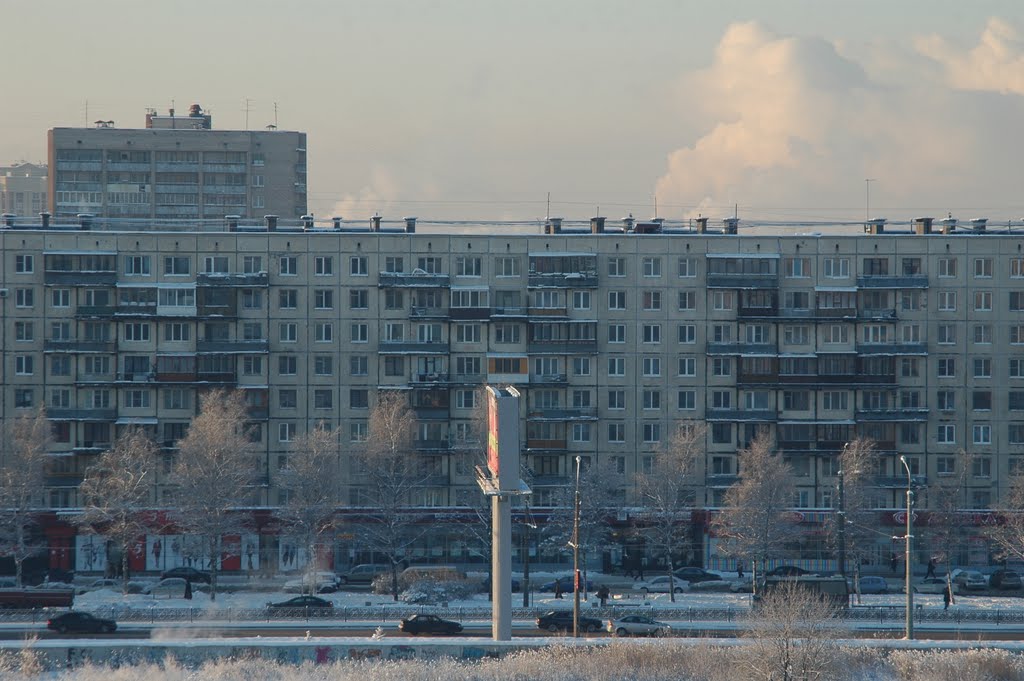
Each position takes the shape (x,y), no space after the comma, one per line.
(481,109)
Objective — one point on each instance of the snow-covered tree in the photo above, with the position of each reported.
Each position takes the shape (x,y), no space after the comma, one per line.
(26,440)
(852,528)
(117,492)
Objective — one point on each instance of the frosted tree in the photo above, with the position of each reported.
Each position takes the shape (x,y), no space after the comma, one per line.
(213,474)
(852,529)
(312,480)
(389,475)
(754,521)
(666,493)
(117,492)
(26,440)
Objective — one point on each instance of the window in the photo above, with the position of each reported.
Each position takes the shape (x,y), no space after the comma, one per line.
(467,266)
(981,434)
(60,297)
(982,367)
(359,333)
(285,432)
(687,334)
(616,333)
(1015,436)
(796,335)
(687,300)
(465,399)
(651,333)
(358,299)
(946,434)
(252,264)
(651,399)
(947,301)
(910,433)
(467,333)
(721,433)
(581,432)
(910,300)
(721,300)
(686,399)
(288,298)
(470,366)
(359,398)
(24,331)
(1016,368)
(687,267)
(837,333)
(358,266)
(323,332)
(506,334)
(1015,400)
(796,400)
(616,366)
(983,268)
(287,365)
(616,300)
(835,400)
(323,265)
(136,265)
(581,300)
(874,267)
(323,398)
(981,400)
(176,398)
(911,333)
(252,365)
(393,299)
(946,367)
(60,365)
(652,432)
(252,299)
(177,331)
(359,431)
(652,366)
(215,264)
(137,399)
(946,400)
(1016,301)
(24,365)
(323,299)
(288,265)
(24,297)
(580,366)
(651,266)
(136,331)
(911,267)
(24,264)
(982,301)
(983,334)
(616,267)
(506,266)
(721,366)
(796,267)
(394,366)
(836,268)
(288,332)
(23,397)
(796,300)
(947,268)
(616,399)
(946,334)
(687,366)
(616,432)
(358,365)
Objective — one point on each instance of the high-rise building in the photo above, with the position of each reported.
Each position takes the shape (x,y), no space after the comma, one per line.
(176,168)
(913,339)
(23,189)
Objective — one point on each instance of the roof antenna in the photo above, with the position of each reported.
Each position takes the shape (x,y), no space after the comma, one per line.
(655,206)
(548,213)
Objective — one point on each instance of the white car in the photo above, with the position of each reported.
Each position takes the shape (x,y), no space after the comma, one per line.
(171,587)
(932,585)
(637,625)
(660,585)
(321,583)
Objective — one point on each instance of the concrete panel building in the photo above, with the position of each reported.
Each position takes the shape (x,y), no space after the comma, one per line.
(23,189)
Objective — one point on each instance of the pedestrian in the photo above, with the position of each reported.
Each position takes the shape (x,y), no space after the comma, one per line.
(602,595)
(188,589)
(739,570)
(931,568)
(558,588)
(640,572)
(946,597)
(894,563)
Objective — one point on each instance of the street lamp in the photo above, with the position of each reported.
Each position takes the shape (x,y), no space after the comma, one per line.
(575,543)
(842,513)
(909,539)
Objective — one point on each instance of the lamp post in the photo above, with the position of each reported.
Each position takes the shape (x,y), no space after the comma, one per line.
(909,539)
(842,513)
(576,556)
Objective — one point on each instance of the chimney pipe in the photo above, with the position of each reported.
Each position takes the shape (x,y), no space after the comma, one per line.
(875,226)
(232,222)
(627,223)
(922,225)
(85,221)
(307,222)
(8,219)
(553,225)
(597,225)
(375,223)
(731,225)
(271,222)
(702,225)
(410,225)
(44,217)
(337,224)
(979,224)
(949,224)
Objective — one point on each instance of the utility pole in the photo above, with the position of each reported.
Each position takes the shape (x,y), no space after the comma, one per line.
(842,513)
(867,198)
(910,538)
(576,557)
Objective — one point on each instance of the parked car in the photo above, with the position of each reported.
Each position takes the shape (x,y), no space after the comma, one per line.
(1004,579)
(932,585)
(363,574)
(660,585)
(81,623)
(428,624)
(743,585)
(36,598)
(788,571)
(561,620)
(871,584)
(696,574)
(970,580)
(566,584)
(172,587)
(189,573)
(301,605)
(637,625)
(317,582)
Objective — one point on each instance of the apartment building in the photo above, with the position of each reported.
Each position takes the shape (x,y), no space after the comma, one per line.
(913,339)
(23,189)
(176,168)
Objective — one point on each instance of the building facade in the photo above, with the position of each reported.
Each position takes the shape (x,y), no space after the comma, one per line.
(176,168)
(23,189)
(915,340)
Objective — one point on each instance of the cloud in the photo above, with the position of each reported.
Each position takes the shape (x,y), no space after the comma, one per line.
(996,64)
(795,125)
(374,197)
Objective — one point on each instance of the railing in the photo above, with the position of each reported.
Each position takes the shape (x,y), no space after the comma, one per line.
(892,348)
(563,414)
(436,346)
(226,279)
(419,312)
(75,345)
(744,281)
(469,312)
(563,280)
(887,281)
(760,415)
(95,310)
(429,378)
(423,280)
(240,346)
(549,379)
(508,311)
(52,277)
(561,347)
(892,414)
(738,348)
(82,414)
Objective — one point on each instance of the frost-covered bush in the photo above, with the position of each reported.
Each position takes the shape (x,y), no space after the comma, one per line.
(435,592)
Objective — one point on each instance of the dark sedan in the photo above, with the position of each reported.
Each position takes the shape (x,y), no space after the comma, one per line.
(561,620)
(428,624)
(302,605)
(696,575)
(81,623)
(189,573)
(788,571)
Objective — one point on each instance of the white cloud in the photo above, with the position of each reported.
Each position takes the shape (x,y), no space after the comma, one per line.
(996,64)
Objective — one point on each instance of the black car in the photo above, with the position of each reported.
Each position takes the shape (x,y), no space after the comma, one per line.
(788,571)
(696,574)
(302,605)
(189,573)
(428,624)
(561,620)
(1004,579)
(81,623)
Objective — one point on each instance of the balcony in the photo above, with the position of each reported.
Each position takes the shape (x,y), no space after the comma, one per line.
(468,379)
(508,311)
(215,377)
(575,347)
(722,480)
(176,376)
(548,312)
(899,482)
(91,446)
(434,347)
(549,379)
(554,446)
(417,312)
(798,445)
(75,345)
(82,414)
(566,414)
(836,313)
(563,280)
(893,282)
(428,379)
(741,415)
(750,312)
(742,281)
(250,280)
(137,310)
(233,346)
(757,379)
(432,446)
(65,278)
(412,280)
(893,415)
(755,349)
(431,412)
(462,313)
(95,310)
(136,377)
(258,413)
(885,314)
(892,348)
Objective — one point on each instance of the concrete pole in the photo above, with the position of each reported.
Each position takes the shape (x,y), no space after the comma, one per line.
(501,567)
(910,539)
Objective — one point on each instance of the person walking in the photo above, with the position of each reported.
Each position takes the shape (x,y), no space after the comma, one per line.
(602,595)
(894,563)
(946,597)
(558,588)
(739,569)
(931,568)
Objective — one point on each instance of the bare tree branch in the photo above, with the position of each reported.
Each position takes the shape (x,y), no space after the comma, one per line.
(26,441)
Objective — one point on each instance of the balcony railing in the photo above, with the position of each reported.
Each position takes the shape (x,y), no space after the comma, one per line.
(892,415)
(469,312)
(747,311)
(75,414)
(62,278)
(431,412)
(757,415)
(419,312)
(506,311)
(428,378)
(892,348)
(549,379)
(563,414)
(248,280)
(722,480)
(742,281)
(742,349)
(562,347)
(547,445)
(418,280)
(899,481)
(233,346)
(563,280)
(75,345)
(441,445)
(422,347)
(893,282)
(95,310)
